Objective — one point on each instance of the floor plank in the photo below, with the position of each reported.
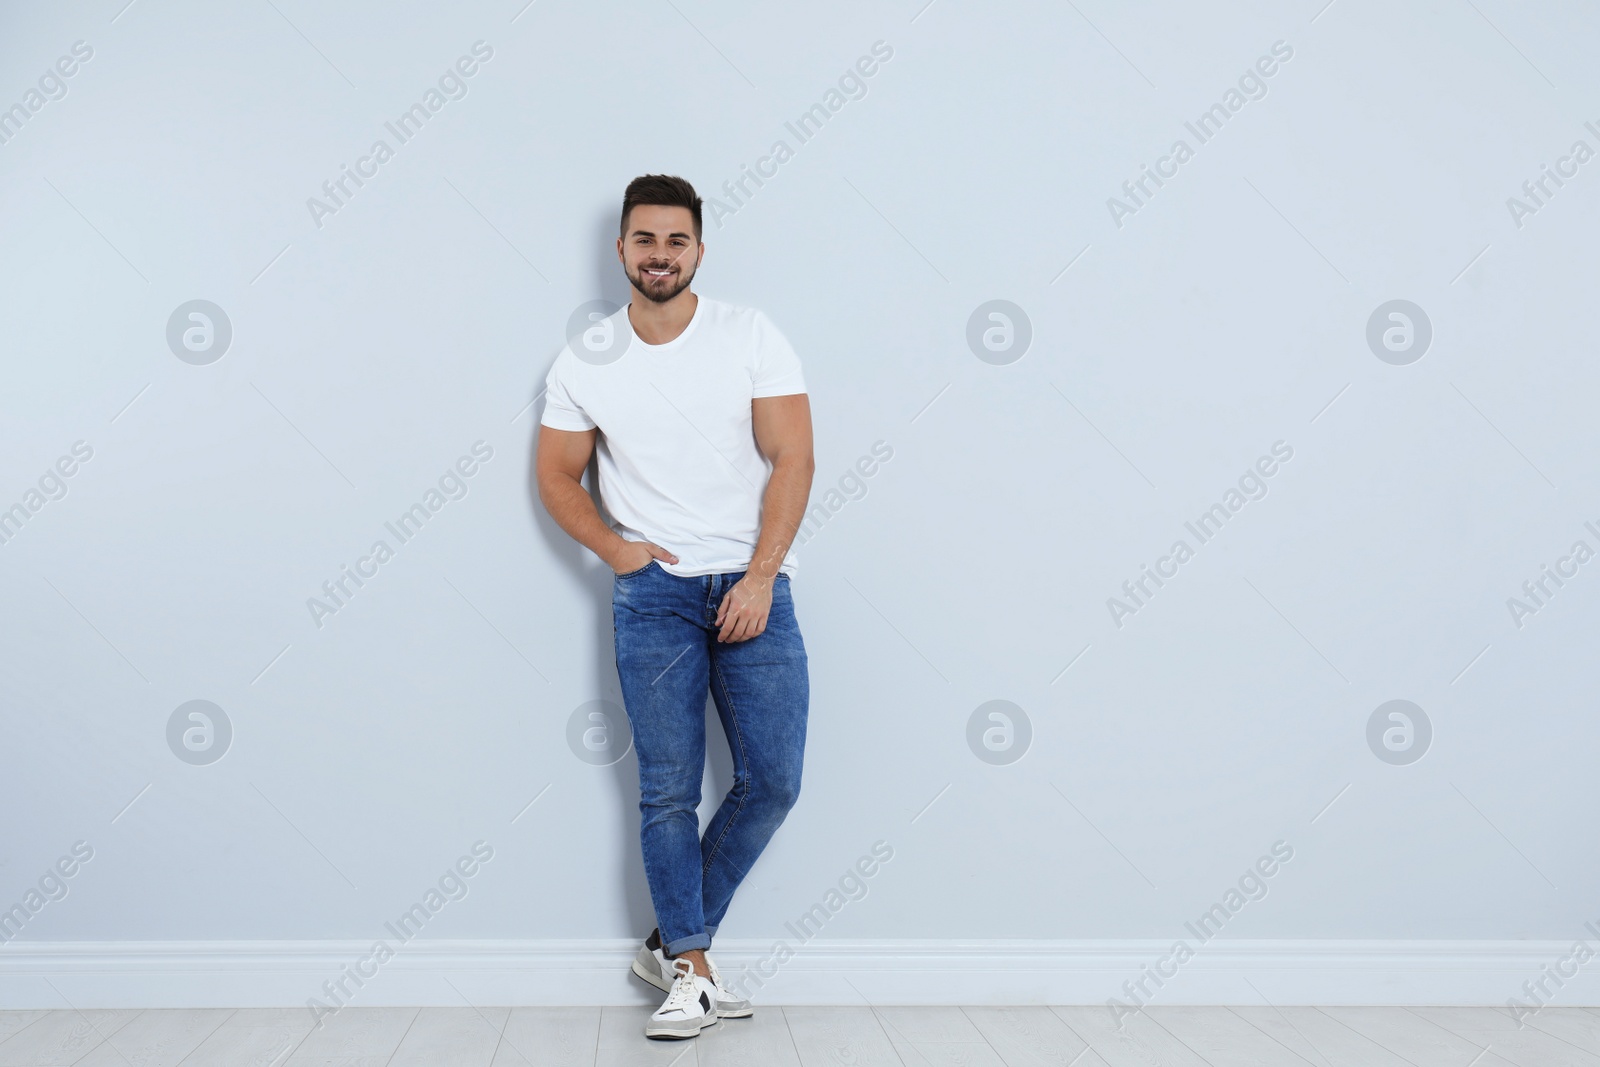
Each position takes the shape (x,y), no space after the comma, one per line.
(932,1036)
(763,1039)
(1223,1039)
(847,1036)
(354,1037)
(1413,1038)
(1138,1043)
(63,1037)
(451,1037)
(661,1052)
(12,1021)
(622,1042)
(1318,1038)
(253,1037)
(947,1053)
(550,1037)
(1460,1020)
(1031,1036)
(809,1036)
(159,1037)
(1572,1025)
(922,1023)
(1532,1048)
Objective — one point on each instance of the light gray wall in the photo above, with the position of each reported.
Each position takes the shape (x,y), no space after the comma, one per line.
(1171,347)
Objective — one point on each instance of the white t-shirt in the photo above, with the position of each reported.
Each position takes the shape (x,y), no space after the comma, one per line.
(677,452)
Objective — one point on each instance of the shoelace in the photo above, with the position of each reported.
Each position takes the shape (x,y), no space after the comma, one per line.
(684,991)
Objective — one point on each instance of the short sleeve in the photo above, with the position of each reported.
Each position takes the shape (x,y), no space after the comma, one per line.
(777,368)
(561,412)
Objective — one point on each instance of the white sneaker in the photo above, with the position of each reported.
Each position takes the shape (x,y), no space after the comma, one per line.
(650,963)
(689,1008)
(654,967)
(728,1005)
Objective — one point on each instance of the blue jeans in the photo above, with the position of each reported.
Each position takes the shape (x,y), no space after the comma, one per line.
(668,656)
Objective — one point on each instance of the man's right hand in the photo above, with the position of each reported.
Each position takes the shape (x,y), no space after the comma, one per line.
(634,555)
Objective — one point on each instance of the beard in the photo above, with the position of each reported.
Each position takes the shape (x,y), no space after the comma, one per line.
(660,291)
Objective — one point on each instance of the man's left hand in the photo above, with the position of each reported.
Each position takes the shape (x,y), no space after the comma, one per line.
(744,610)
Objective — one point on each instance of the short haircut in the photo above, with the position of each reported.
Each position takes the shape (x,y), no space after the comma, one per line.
(661,189)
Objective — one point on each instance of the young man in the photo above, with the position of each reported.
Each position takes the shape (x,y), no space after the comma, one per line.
(699,412)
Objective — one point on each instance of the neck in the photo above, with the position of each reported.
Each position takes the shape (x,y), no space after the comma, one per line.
(656,324)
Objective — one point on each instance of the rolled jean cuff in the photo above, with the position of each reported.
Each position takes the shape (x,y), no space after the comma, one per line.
(686,944)
(711,930)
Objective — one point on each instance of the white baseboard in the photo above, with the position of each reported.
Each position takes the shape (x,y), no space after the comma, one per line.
(170,974)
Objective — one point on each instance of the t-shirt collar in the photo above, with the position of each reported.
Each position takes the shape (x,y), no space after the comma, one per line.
(694,320)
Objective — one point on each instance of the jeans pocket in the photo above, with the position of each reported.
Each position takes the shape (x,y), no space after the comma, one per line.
(641,570)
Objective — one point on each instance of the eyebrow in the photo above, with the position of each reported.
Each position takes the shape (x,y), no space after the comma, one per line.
(651,233)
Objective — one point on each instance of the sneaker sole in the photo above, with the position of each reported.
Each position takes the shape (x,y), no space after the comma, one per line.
(675,1033)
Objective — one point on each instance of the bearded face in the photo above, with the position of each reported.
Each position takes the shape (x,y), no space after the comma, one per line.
(659,252)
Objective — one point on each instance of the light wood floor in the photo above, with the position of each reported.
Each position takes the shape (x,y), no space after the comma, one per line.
(806,1037)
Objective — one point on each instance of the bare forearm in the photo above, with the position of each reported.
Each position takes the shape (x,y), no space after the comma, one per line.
(570,504)
(782,507)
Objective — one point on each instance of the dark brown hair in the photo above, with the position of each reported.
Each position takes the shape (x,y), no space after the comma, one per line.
(661,189)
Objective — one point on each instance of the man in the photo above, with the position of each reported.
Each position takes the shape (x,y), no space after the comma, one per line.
(699,413)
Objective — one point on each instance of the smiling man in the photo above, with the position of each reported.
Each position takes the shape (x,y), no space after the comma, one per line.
(699,414)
